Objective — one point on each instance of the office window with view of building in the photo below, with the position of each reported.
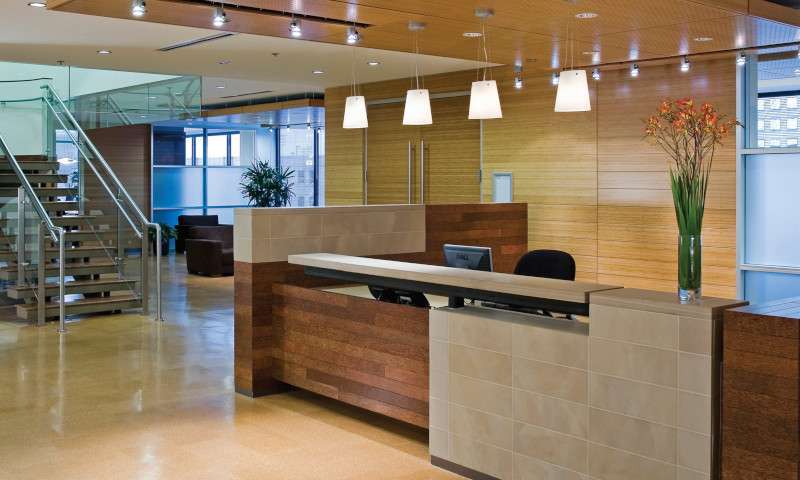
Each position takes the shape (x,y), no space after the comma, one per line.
(299,148)
(769,260)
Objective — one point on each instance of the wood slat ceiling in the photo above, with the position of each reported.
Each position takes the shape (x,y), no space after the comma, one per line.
(532,32)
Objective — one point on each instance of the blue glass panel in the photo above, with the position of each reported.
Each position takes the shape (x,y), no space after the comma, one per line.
(223,187)
(761,287)
(177,187)
(772,197)
(225,215)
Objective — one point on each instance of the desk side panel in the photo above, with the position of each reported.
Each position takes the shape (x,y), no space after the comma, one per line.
(363,352)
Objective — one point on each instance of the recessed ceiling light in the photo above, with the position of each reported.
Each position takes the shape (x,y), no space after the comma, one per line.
(472,34)
(221,87)
(318,72)
(591,52)
(797,71)
(587,15)
(373,63)
(104,52)
(703,39)
(224,62)
(152,97)
(37,4)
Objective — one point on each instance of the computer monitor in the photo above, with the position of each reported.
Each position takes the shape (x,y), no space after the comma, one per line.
(472,258)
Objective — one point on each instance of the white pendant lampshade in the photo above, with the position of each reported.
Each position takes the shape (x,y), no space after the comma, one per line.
(355,113)
(484,101)
(573,92)
(418,108)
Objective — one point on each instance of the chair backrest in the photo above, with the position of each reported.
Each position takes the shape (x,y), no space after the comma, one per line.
(222,233)
(198,220)
(547,264)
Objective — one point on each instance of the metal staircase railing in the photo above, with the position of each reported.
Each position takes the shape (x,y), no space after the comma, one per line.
(46,226)
(113,187)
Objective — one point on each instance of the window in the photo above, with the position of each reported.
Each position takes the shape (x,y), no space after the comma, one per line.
(770,263)
(299,152)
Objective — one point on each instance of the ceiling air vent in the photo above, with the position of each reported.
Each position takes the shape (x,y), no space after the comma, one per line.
(196,41)
(787,3)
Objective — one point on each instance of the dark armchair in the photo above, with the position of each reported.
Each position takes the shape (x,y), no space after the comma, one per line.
(209,250)
(186,223)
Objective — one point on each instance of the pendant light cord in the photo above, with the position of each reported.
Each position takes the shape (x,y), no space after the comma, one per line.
(353,71)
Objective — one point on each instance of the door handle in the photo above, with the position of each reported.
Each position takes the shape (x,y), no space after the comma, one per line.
(422,172)
(410,170)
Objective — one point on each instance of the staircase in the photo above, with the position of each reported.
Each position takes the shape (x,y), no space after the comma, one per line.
(70,244)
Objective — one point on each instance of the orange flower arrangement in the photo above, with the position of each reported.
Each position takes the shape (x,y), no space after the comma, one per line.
(690,137)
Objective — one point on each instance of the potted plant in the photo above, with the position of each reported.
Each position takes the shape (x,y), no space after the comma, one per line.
(167,233)
(690,137)
(265,186)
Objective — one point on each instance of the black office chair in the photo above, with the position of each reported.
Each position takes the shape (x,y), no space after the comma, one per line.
(547,264)
(403,297)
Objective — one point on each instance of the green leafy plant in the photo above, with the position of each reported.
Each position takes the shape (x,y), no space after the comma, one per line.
(167,233)
(265,186)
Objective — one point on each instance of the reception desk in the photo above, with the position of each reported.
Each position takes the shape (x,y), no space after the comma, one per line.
(625,388)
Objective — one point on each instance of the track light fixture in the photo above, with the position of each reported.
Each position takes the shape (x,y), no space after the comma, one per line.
(220,18)
(353,36)
(518,83)
(596,74)
(138,8)
(635,70)
(741,59)
(685,64)
(294,29)
(554,79)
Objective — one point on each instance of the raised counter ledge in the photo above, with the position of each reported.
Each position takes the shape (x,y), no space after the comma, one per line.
(663,302)
(503,283)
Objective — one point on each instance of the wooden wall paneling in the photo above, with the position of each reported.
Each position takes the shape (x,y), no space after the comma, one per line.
(594,187)
(387,156)
(553,159)
(452,153)
(637,234)
(344,153)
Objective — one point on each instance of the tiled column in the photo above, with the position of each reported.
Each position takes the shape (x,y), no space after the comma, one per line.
(651,399)
(508,395)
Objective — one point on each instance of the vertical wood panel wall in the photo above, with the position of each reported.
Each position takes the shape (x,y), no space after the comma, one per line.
(594,187)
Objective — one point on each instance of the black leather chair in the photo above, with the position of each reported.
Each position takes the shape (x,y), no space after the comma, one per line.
(547,264)
(186,223)
(209,250)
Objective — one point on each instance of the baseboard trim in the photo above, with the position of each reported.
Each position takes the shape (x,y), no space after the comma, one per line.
(460,469)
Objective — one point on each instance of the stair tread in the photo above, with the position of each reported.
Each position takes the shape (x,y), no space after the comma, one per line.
(76,283)
(112,300)
(54,266)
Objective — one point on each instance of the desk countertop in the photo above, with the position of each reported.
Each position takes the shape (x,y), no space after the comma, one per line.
(504,283)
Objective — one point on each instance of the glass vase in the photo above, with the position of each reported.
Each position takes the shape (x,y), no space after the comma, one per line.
(689,267)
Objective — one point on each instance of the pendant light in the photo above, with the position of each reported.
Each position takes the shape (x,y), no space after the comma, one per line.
(355,106)
(484,100)
(418,101)
(573,88)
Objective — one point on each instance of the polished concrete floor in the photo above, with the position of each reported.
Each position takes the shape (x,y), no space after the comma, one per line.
(123,397)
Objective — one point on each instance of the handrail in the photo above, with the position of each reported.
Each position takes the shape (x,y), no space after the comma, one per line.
(94,169)
(115,108)
(99,157)
(35,201)
(120,188)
